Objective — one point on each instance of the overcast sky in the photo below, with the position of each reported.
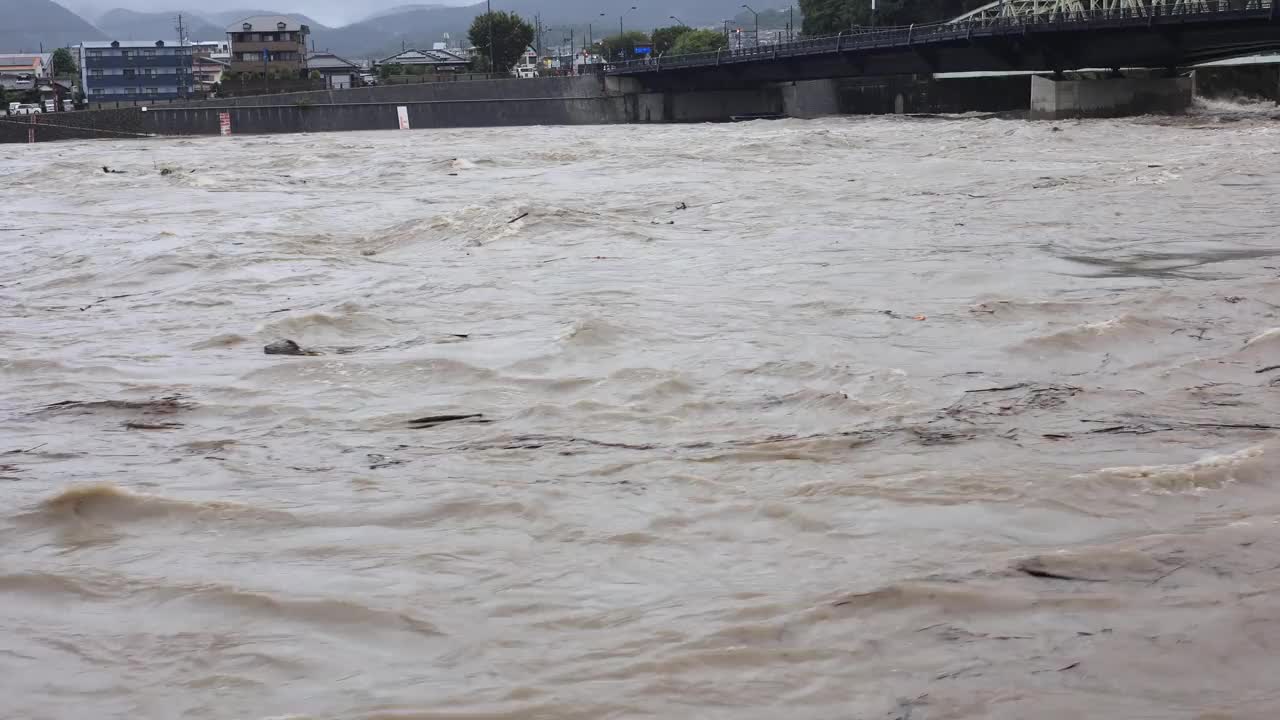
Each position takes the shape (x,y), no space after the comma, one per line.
(329,12)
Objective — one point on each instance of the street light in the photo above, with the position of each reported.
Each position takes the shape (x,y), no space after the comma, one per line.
(753,12)
(673,17)
(620,31)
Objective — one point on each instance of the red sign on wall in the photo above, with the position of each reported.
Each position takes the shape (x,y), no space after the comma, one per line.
(224,123)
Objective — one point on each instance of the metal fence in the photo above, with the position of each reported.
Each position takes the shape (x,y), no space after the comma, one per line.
(904,36)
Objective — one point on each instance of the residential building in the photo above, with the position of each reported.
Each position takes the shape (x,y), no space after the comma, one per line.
(337,72)
(130,70)
(209,60)
(220,49)
(207,71)
(269,43)
(428,62)
(37,65)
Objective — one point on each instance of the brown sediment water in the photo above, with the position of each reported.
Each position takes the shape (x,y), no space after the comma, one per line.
(847,418)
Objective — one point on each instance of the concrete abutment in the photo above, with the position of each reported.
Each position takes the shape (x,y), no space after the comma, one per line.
(1108,97)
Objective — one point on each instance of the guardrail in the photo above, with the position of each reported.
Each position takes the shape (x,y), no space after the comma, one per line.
(906,36)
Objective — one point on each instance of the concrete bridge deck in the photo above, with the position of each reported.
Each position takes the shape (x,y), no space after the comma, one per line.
(1158,35)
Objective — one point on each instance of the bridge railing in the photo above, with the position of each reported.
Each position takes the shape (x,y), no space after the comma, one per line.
(883,37)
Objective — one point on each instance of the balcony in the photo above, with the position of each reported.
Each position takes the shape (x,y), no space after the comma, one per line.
(287,66)
(133,81)
(139,61)
(258,47)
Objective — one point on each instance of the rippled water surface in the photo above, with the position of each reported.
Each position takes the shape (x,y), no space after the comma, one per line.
(851,418)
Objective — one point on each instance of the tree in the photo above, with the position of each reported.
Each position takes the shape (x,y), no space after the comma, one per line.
(511,37)
(386,71)
(699,41)
(622,46)
(828,17)
(664,37)
(64,63)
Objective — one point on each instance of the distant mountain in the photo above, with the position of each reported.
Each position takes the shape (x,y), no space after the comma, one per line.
(403,9)
(122,24)
(27,24)
(224,18)
(385,33)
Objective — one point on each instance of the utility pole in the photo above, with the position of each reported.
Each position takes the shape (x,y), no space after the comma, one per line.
(182,45)
(488,6)
(537,24)
(791,25)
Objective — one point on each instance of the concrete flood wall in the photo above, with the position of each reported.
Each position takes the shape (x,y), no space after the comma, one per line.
(82,125)
(1114,97)
(267,119)
(513,89)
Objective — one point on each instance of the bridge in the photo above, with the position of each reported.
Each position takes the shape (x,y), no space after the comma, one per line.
(1008,35)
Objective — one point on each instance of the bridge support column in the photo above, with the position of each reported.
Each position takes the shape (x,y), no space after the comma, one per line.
(1112,97)
(811,98)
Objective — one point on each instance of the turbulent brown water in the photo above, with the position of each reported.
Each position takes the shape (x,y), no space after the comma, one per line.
(852,418)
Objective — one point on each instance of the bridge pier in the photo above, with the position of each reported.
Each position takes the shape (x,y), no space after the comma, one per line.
(899,94)
(1111,97)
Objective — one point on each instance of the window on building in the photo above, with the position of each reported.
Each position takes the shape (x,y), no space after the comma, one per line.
(128,72)
(97,72)
(148,53)
(97,91)
(149,72)
(126,53)
(153,91)
(95,53)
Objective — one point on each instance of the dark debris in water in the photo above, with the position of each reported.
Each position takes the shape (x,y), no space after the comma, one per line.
(167,405)
(152,426)
(426,423)
(1011,400)
(287,347)
(1148,426)
(377,462)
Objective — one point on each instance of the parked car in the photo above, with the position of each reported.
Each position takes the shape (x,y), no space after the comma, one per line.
(50,105)
(68,105)
(13,108)
(28,109)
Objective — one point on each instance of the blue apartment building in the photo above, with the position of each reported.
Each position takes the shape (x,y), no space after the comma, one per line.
(134,70)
